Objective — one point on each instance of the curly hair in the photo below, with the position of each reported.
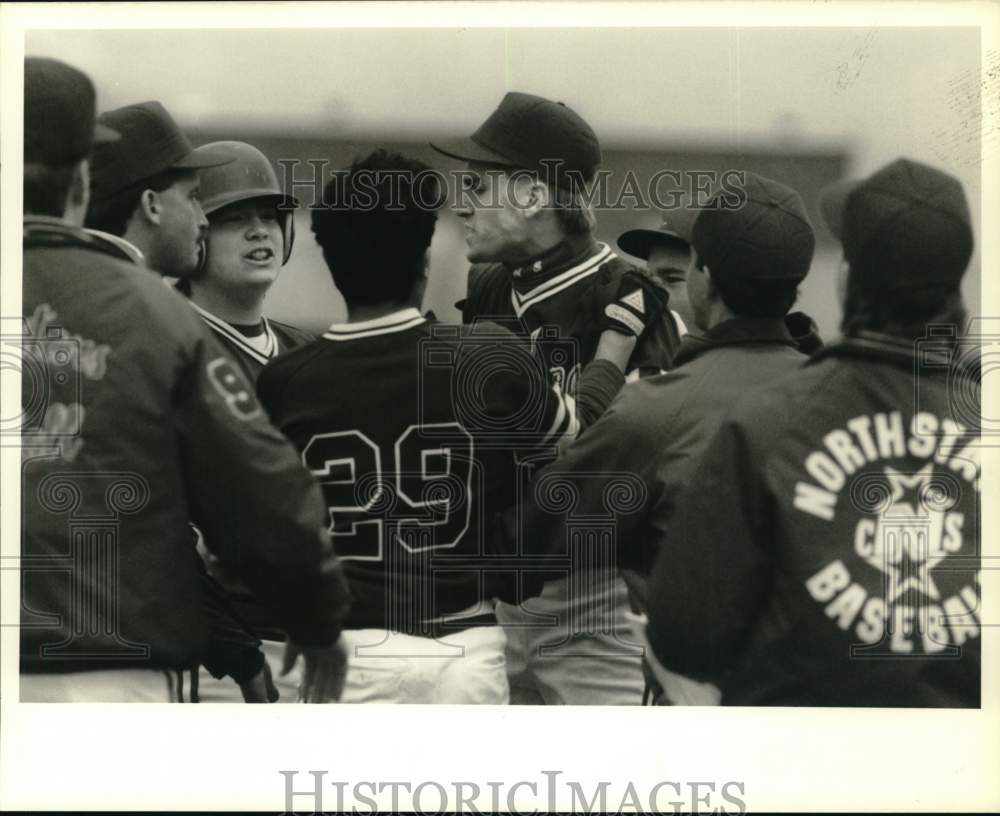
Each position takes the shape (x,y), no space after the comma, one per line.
(375,224)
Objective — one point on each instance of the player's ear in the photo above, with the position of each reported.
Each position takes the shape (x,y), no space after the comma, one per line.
(538,197)
(150,207)
(79,189)
(711,290)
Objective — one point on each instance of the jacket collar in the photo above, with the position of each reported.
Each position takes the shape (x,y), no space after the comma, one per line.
(570,252)
(739,331)
(935,354)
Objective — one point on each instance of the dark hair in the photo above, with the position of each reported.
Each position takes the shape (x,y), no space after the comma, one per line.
(46,188)
(112,214)
(905,312)
(750,297)
(375,225)
(574,216)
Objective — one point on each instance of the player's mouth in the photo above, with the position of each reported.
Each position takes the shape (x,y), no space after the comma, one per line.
(260,255)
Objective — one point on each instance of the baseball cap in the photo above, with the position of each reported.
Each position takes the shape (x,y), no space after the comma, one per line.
(523,131)
(767,237)
(150,143)
(59,125)
(675,230)
(908,224)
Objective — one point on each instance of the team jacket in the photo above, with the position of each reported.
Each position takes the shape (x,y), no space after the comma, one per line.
(135,423)
(411,427)
(236,612)
(827,551)
(559,301)
(647,440)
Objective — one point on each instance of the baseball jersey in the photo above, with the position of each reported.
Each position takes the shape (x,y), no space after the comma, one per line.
(253,350)
(135,423)
(411,427)
(827,550)
(560,300)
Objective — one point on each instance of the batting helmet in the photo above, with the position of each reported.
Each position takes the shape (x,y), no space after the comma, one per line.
(249,175)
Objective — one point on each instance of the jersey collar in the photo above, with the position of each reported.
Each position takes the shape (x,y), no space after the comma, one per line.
(234,336)
(386,324)
(522,301)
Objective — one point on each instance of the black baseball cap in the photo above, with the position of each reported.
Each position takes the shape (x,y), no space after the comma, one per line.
(908,224)
(675,230)
(150,143)
(59,123)
(766,237)
(524,131)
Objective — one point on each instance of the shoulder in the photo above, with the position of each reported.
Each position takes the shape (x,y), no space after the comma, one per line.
(615,271)
(640,404)
(291,336)
(285,366)
(487,278)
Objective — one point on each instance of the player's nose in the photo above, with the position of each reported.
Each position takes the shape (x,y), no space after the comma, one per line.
(256,228)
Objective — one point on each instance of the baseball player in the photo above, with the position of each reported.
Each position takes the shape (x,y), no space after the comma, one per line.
(144,190)
(529,235)
(746,265)
(251,230)
(667,253)
(135,422)
(411,427)
(826,552)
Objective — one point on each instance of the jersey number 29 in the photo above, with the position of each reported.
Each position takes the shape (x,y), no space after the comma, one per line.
(424,500)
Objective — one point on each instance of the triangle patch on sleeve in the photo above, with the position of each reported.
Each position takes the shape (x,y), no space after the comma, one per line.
(636,301)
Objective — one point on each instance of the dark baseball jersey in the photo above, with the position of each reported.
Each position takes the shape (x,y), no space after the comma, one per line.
(827,550)
(253,351)
(135,423)
(411,427)
(563,297)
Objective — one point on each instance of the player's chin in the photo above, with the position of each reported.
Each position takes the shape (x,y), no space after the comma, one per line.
(478,254)
(261,275)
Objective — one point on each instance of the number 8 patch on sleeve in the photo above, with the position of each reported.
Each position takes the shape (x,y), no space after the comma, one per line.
(233,387)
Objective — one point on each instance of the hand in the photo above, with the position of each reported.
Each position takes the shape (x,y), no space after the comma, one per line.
(325,671)
(260,688)
(616,348)
(633,309)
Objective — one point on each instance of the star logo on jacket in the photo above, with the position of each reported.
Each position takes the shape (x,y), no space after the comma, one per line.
(908,535)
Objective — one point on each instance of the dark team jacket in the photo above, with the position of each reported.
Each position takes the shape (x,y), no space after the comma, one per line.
(559,301)
(827,551)
(412,427)
(656,428)
(238,617)
(135,423)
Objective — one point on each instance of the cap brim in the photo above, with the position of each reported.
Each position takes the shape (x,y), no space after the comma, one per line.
(832,199)
(471,151)
(103,134)
(640,242)
(206,156)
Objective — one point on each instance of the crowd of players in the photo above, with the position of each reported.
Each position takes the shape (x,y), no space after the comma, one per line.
(608,485)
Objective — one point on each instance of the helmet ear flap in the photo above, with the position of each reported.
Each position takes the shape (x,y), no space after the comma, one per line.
(288,235)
